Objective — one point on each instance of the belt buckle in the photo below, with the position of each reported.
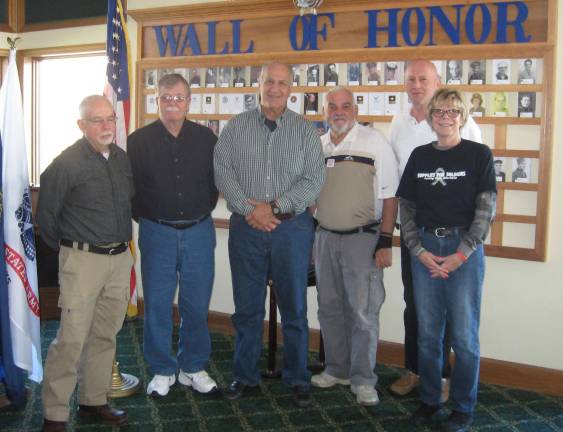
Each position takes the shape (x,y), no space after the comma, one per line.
(111,251)
(440,232)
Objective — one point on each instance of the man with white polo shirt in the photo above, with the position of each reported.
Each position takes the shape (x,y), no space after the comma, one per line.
(356,211)
(408,131)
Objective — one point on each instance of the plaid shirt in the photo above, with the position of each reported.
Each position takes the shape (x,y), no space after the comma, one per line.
(285,165)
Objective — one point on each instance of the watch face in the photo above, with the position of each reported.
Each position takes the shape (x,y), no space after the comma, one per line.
(276,210)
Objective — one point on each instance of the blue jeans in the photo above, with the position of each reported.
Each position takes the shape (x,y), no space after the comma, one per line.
(169,256)
(458,297)
(285,254)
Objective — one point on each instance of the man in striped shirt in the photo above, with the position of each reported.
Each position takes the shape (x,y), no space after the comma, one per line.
(269,167)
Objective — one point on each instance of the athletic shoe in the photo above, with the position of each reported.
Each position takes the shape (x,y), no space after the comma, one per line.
(325,380)
(160,385)
(200,381)
(365,395)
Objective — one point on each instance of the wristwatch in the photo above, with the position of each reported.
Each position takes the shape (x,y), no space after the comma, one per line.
(275,209)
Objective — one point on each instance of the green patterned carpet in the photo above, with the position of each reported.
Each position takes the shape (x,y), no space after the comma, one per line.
(270,408)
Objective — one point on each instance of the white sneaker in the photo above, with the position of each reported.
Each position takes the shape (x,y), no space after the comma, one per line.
(199,381)
(325,380)
(160,385)
(365,395)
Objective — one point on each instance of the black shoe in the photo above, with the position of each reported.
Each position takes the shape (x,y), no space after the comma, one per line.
(235,390)
(103,412)
(457,422)
(301,396)
(53,426)
(427,415)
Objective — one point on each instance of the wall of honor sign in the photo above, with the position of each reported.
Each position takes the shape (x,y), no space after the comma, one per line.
(498,53)
(368,27)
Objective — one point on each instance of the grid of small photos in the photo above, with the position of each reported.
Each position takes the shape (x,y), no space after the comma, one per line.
(311,81)
(493,88)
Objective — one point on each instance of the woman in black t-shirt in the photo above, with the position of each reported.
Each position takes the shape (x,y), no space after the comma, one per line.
(447,202)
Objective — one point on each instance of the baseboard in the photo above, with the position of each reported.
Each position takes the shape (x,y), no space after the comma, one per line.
(508,374)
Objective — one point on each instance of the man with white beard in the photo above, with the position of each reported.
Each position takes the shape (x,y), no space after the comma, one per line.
(356,212)
(175,193)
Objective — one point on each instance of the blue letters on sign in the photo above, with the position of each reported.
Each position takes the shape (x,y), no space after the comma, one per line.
(517,23)
(391,28)
(437,13)
(485,25)
(309,31)
(170,39)
(420,27)
(175,36)
(414,26)
(385,21)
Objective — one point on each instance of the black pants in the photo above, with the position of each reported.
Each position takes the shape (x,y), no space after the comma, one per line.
(410,320)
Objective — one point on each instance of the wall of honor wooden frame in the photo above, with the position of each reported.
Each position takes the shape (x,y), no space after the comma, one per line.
(499,54)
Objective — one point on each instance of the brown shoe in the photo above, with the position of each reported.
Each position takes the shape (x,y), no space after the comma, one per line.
(103,412)
(53,426)
(405,384)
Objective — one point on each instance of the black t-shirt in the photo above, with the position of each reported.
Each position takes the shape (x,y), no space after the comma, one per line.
(444,183)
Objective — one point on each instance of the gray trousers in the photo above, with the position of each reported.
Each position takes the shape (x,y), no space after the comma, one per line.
(350,295)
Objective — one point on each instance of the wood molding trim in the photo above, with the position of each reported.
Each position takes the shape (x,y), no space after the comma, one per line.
(62,51)
(503,373)
(78,22)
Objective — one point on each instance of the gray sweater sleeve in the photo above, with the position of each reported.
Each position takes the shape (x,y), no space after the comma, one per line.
(485,209)
(407,210)
(484,214)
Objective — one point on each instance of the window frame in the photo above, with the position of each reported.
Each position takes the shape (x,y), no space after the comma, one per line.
(30,60)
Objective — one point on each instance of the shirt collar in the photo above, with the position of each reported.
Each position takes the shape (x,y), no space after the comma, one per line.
(278,121)
(350,136)
(168,134)
(88,147)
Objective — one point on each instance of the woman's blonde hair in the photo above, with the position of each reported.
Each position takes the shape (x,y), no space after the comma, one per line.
(451,97)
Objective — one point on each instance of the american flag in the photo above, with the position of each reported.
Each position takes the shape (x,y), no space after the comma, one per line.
(117,86)
(117,91)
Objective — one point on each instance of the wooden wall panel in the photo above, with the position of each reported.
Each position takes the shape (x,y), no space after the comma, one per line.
(267,23)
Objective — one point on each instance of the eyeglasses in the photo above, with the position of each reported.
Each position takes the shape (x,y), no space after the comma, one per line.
(451,112)
(175,98)
(98,121)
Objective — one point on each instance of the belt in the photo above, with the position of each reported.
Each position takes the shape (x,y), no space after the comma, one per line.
(179,225)
(369,228)
(443,231)
(284,216)
(86,247)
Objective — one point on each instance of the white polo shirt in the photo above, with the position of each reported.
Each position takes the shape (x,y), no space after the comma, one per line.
(406,134)
(361,172)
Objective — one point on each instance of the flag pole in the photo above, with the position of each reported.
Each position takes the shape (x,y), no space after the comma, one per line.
(117,91)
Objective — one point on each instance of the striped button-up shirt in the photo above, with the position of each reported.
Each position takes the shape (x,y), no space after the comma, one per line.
(285,165)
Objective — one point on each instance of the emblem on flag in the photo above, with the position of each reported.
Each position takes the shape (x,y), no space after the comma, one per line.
(25,224)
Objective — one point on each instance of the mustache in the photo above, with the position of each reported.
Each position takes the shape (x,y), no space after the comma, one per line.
(172,109)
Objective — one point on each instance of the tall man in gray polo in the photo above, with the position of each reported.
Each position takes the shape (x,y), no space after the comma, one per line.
(269,167)
(356,212)
(85,208)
